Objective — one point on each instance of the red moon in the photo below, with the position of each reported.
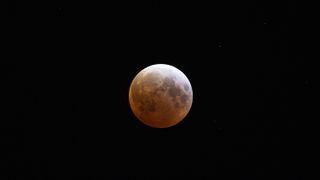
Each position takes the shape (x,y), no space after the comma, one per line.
(160,96)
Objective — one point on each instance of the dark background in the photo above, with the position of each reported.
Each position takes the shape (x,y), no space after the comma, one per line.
(68,68)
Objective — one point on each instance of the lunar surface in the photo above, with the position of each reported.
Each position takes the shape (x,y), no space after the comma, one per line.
(160,96)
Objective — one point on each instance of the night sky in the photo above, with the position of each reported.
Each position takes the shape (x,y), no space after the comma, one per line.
(69,67)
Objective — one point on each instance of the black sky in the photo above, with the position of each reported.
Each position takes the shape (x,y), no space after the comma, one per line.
(66,110)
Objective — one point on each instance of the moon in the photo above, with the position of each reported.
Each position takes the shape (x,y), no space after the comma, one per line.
(160,96)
